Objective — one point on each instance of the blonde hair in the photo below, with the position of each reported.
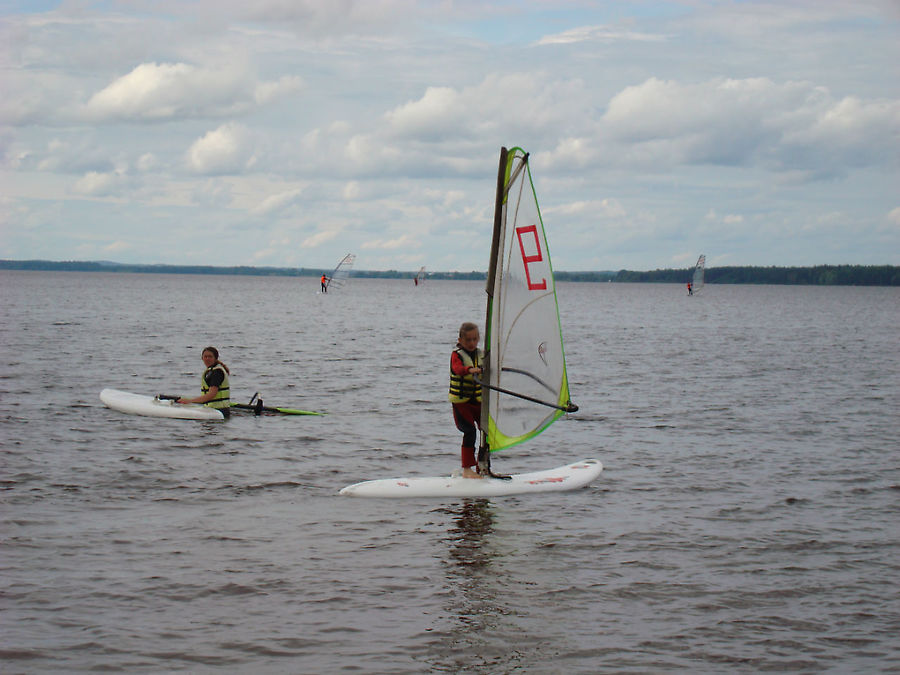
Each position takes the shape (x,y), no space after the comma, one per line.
(466,327)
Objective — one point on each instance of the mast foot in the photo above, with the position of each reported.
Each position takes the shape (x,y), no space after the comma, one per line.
(486,472)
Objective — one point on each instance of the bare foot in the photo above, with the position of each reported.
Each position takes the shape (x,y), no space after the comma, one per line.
(469,473)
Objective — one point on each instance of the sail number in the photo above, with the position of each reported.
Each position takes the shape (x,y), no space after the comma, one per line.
(532,258)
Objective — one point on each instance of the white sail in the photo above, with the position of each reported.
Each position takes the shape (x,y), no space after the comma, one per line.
(699,274)
(525,357)
(420,276)
(340,274)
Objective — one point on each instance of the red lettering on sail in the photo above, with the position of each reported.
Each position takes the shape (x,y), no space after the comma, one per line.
(527,259)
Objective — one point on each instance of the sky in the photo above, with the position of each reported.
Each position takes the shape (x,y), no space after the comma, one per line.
(288,133)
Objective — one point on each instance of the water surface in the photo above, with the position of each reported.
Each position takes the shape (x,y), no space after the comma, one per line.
(746,520)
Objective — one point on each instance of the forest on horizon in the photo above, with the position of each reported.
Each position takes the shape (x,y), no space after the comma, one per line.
(818,275)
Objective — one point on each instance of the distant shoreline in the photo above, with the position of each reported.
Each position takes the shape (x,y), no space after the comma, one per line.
(819,275)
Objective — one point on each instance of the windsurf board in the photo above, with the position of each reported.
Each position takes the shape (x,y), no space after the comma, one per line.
(152,406)
(568,477)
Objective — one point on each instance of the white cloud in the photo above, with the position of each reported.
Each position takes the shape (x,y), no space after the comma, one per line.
(117,247)
(227,149)
(603,208)
(570,153)
(319,238)
(351,190)
(545,101)
(728,219)
(277,202)
(850,130)
(266,92)
(163,91)
(597,34)
(331,19)
(786,127)
(153,91)
(391,244)
(31,97)
(440,111)
(96,184)
(147,162)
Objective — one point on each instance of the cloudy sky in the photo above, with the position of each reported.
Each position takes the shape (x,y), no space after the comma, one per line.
(290,132)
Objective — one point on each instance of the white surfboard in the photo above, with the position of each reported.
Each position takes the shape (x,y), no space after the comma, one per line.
(150,406)
(568,477)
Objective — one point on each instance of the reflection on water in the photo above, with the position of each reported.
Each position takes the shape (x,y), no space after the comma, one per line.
(470,574)
(474,520)
(476,610)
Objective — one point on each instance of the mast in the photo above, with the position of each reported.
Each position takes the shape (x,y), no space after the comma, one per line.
(524,357)
(484,455)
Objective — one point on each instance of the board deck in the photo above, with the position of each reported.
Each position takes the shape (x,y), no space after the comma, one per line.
(568,477)
(150,406)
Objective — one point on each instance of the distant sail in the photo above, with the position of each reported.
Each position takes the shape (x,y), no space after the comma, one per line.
(523,340)
(420,276)
(699,274)
(340,274)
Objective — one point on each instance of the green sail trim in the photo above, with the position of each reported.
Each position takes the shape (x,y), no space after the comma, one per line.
(523,339)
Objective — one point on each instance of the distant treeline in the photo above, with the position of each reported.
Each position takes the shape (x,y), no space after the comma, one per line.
(89,266)
(103,266)
(820,275)
(823,275)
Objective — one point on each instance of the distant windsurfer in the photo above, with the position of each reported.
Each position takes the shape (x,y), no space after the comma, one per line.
(690,288)
(324,284)
(214,386)
(465,393)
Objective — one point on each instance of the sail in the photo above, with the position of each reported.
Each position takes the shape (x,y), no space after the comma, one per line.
(523,342)
(699,274)
(337,278)
(420,276)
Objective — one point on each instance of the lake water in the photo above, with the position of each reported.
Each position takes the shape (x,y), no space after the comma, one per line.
(747,520)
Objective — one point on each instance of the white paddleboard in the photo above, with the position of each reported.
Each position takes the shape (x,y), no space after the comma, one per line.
(150,406)
(568,477)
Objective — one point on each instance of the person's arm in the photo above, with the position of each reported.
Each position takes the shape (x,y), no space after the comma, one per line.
(213,380)
(208,396)
(459,368)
